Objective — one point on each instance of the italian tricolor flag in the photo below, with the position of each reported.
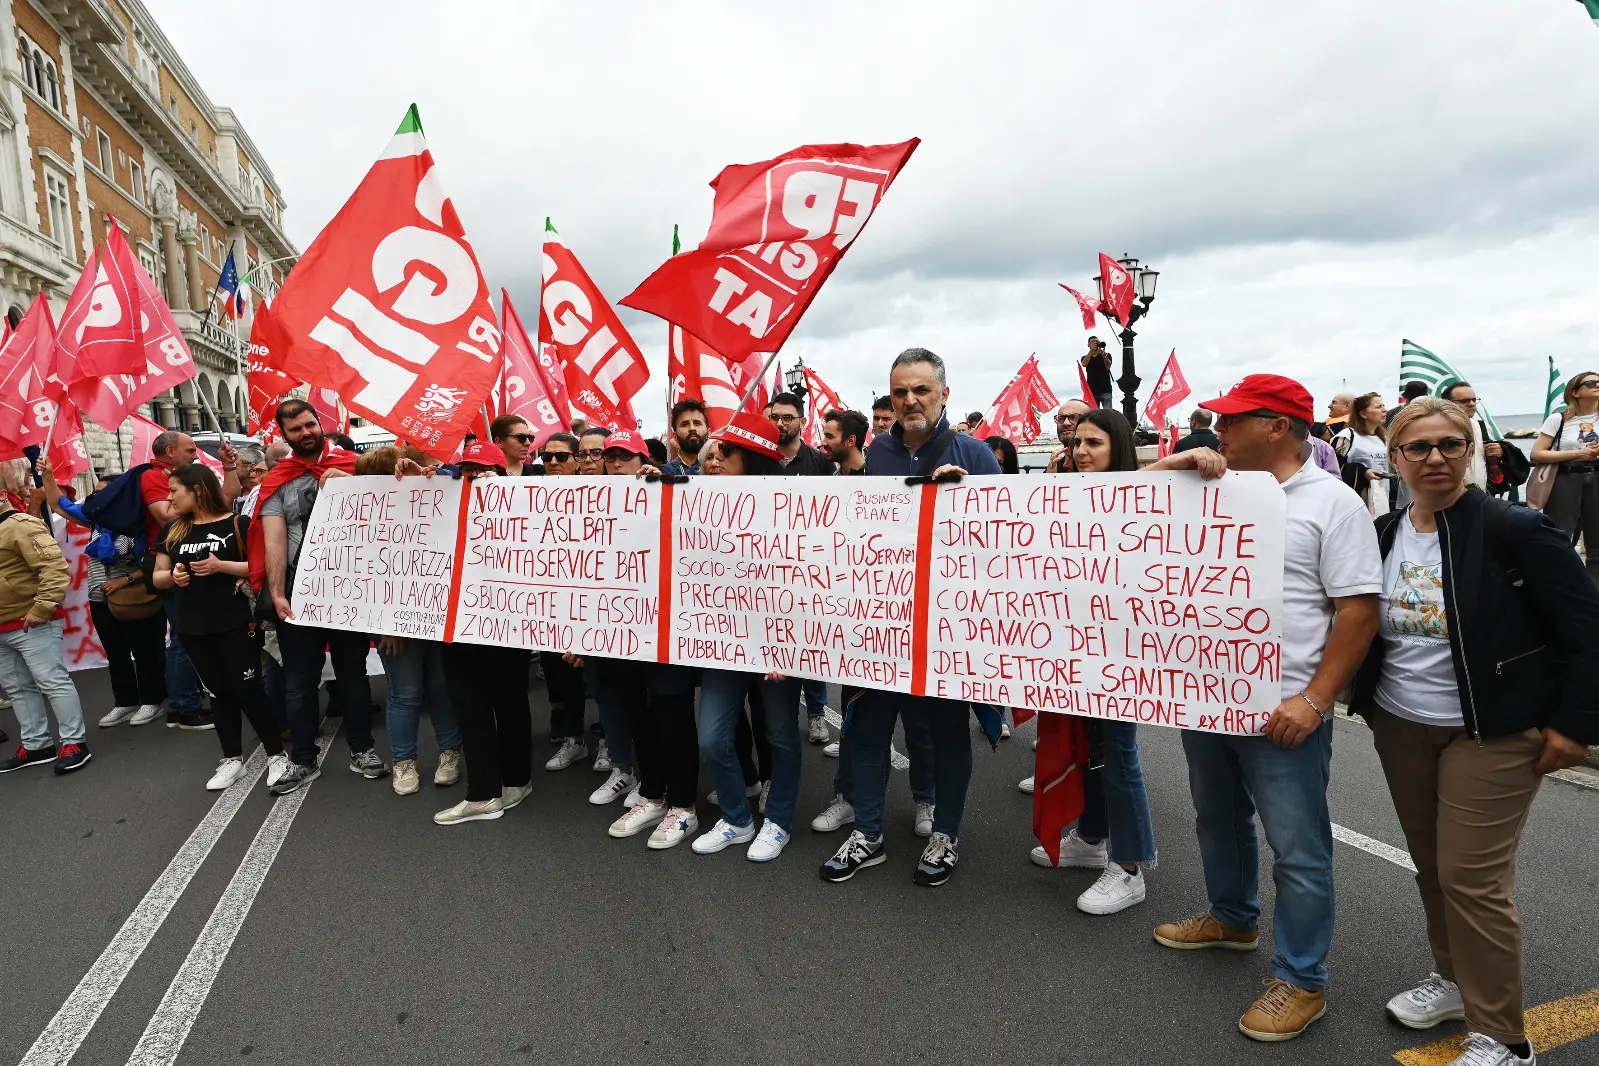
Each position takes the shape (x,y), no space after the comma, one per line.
(1593,9)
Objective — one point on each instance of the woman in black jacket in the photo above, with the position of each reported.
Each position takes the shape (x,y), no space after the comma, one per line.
(1482,680)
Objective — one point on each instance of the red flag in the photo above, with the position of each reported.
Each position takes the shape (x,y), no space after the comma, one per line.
(1116,284)
(1089,307)
(1015,411)
(68,456)
(1088,394)
(325,402)
(1058,768)
(603,368)
(1168,441)
(388,307)
(268,382)
(528,379)
(820,399)
(1170,389)
(698,373)
(28,395)
(778,228)
(141,449)
(101,333)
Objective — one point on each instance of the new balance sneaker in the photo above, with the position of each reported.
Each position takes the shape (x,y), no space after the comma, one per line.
(1430,1003)
(471,811)
(602,758)
(1025,785)
(368,765)
(571,750)
(830,749)
(677,824)
(1205,931)
(721,836)
(118,715)
(295,776)
(513,795)
(72,757)
(227,772)
(407,781)
(277,766)
(191,720)
(1285,1011)
(146,714)
(1485,1051)
(818,730)
(619,784)
(938,861)
(643,815)
(769,843)
(750,792)
(924,819)
(856,854)
(449,768)
(28,757)
(1074,851)
(838,814)
(1116,890)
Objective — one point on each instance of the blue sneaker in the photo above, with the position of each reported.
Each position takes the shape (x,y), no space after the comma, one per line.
(856,854)
(938,861)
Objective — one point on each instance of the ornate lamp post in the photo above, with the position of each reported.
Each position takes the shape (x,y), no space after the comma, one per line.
(794,378)
(1144,280)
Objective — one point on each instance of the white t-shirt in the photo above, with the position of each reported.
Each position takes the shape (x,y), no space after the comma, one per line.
(1329,551)
(1418,675)
(1580,431)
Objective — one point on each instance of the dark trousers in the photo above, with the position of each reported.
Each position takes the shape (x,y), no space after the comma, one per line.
(136,655)
(749,737)
(1574,507)
(660,715)
(230,665)
(488,688)
(303,648)
(1105,399)
(871,730)
(568,695)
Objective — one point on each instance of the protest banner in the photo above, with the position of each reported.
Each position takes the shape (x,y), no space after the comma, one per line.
(80,645)
(1149,598)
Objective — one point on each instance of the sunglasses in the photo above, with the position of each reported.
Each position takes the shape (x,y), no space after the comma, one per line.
(1591,383)
(618,455)
(520,438)
(554,457)
(591,453)
(1417,451)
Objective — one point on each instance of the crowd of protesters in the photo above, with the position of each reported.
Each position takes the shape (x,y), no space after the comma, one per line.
(1459,624)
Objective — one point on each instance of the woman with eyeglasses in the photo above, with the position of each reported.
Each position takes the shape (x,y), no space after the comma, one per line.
(1362,448)
(1481,681)
(591,451)
(1570,438)
(511,435)
(564,683)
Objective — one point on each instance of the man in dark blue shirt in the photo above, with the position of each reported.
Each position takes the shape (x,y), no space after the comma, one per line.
(690,428)
(920,443)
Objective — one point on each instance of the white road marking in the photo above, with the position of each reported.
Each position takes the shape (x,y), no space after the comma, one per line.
(66,1032)
(1373,847)
(169,1026)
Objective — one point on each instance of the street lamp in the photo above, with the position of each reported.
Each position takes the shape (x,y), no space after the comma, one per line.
(1144,280)
(794,378)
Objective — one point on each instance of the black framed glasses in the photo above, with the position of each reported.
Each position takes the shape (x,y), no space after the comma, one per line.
(554,457)
(1417,451)
(591,453)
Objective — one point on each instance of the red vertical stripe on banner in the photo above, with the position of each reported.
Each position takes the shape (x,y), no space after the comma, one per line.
(924,568)
(460,559)
(663,631)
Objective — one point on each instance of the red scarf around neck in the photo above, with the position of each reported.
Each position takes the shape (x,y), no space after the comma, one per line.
(289,468)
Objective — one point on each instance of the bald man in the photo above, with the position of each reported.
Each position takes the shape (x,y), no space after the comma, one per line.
(1066,429)
(1338,408)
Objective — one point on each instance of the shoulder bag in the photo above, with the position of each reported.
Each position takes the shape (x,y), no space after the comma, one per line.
(1542,480)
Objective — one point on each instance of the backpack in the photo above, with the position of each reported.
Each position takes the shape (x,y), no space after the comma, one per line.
(119,506)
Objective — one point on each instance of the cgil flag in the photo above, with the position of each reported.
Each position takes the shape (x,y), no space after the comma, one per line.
(602,365)
(1171,388)
(699,373)
(820,399)
(1418,364)
(1555,396)
(531,385)
(267,382)
(1088,307)
(1116,286)
(1015,411)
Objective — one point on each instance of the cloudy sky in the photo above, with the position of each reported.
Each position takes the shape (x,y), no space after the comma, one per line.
(1314,180)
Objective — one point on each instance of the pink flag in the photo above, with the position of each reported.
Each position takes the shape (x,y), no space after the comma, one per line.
(68,456)
(28,396)
(143,451)
(821,398)
(1015,412)
(529,378)
(1116,284)
(1089,307)
(101,333)
(1171,388)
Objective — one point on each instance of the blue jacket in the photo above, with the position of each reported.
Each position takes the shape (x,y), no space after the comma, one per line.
(678,467)
(887,455)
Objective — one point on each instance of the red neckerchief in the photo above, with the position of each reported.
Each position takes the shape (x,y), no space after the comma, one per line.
(289,468)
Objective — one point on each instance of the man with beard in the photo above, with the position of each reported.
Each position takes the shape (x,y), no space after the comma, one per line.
(1066,430)
(690,427)
(843,434)
(787,413)
(882,415)
(288,493)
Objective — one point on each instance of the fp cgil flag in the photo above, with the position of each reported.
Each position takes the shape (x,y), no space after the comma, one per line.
(388,307)
(1117,285)
(1088,307)
(604,369)
(268,382)
(820,398)
(1171,388)
(531,385)
(101,329)
(778,229)
(698,373)
(1015,412)
(28,396)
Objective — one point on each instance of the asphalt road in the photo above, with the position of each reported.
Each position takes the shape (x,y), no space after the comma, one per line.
(377,937)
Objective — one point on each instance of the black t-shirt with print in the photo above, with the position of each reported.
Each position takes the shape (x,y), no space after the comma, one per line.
(211,603)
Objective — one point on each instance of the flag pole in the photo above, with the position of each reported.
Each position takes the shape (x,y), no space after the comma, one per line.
(221,433)
(756,381)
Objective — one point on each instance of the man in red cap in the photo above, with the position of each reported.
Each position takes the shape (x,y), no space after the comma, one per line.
(1332,575)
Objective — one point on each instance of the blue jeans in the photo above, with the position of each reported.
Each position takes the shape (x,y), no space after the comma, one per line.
(304,650)
(722,694)
(946,727)
(601,681)
(815,699)
(416,676)
(33,669)
(183,684)
(1230,778)
(917,739)
(1115,803)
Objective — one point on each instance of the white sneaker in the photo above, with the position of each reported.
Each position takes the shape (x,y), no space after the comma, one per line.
(617,785)
(407,780)
(1025,785)
(1116,890)
(277,766)
(512,795)
(471,811)
(118,715)
(766,790)
(1428,1004)
(637,819)
(633,798)
(145,714)
(602,759)
(1074,851)
(1486,1051)
(750,792)
(721,836)
(228,771)
(1004,728)
(818,730)
(838,814)
(571,750)
(677,824)
(769,843)
(924,819)
(830,749)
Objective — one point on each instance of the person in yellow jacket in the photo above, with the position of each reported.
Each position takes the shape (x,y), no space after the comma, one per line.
(33,586)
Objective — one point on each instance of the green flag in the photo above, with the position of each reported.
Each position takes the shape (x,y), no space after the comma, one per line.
(1593,9)
(1555,398)
(1418,364)
(677,245)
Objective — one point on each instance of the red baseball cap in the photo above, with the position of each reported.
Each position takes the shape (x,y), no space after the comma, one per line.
(1265,392)
(483,453)
(752,432)
(627,440)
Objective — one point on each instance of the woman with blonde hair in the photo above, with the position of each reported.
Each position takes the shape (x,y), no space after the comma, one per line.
(1569,441)
(1362,449)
